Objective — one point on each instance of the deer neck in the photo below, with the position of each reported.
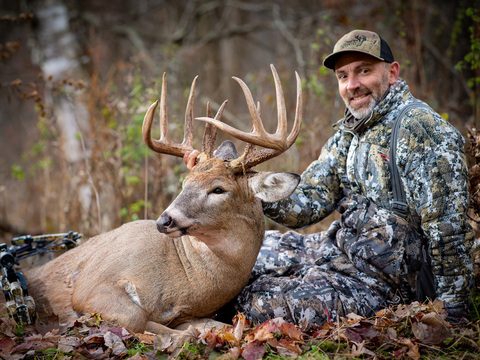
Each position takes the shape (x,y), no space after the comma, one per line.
(226,248)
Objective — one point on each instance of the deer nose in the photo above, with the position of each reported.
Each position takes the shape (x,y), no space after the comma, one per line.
(163,222)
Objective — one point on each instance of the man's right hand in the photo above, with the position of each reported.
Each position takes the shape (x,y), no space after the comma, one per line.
(190,158)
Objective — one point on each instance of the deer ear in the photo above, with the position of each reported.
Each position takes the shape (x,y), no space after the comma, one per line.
(273,186)
(226,151)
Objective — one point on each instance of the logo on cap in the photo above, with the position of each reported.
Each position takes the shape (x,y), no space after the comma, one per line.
(357,42)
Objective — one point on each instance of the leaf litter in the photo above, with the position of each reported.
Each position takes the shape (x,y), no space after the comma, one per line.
(411,331)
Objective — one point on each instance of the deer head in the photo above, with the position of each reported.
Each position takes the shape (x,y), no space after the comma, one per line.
(216,178)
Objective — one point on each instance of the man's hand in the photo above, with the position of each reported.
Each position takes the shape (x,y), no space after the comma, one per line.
(190,158)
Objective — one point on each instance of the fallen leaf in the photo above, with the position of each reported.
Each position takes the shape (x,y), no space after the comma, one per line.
(432,335)
(138,356)
(115,343)
(392,333)
(232,354)
(360,349)
(68,344)
(400,352)
(413,351)
(435,319)
(50,325)
(290,345)
(96,338)
(95,354)
(227,337)
(163,342)
(34,345)
(145,338)
(354,318)
(263,332)
(361,331)
(6,344)
(240,322)
(121,332)
(254,350)
(290,330)
(7,326)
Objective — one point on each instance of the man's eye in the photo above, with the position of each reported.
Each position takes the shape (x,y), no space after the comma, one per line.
(218,190)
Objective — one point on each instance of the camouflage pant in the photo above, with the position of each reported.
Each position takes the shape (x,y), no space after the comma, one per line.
(357,265)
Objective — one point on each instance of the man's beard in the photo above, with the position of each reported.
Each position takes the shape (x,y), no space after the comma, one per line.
(365,112)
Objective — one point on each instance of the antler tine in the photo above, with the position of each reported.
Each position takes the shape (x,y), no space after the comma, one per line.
(188,132)
(281,109)
(165,145)
(210,133)
(297,124)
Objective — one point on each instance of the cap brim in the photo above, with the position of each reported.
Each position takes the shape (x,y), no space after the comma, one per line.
(330,60)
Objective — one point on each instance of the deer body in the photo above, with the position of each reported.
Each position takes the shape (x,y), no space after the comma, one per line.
(200,252)
(135,274)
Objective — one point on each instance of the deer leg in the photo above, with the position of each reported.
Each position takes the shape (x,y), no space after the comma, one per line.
(117,303)
(171,339)
(202,325)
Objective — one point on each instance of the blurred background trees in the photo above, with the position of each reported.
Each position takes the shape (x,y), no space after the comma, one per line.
(76,78)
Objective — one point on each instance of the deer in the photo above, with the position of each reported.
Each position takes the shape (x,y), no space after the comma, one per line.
(152,275)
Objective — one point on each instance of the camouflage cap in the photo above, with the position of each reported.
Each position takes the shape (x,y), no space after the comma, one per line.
(363,41)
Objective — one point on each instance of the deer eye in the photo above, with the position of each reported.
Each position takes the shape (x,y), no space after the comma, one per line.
(218,190)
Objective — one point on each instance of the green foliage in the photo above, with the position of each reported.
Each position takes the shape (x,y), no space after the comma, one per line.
(315,85)
(191,351)
(135,347)
(133,211)
(318,351)
(17,172)
(471,59)
(52,354)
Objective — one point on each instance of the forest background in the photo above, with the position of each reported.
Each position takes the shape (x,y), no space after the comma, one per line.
(76,78)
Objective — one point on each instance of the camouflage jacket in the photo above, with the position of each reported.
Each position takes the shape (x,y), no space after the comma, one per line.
(432,165)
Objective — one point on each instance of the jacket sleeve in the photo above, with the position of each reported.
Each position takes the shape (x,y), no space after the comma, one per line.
(319,190)
(431,155)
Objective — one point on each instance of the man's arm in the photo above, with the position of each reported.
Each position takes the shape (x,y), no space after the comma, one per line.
(436,172)
(319,190)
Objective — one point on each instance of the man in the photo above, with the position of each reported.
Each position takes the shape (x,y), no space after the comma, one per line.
(385,250)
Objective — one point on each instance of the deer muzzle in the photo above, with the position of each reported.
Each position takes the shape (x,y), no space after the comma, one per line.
(163,222)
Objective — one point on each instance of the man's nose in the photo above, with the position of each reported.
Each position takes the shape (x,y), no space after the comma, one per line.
(352,83)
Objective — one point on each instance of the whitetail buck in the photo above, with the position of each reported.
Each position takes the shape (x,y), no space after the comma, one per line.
(199,253)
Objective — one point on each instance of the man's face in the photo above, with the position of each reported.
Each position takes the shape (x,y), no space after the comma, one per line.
(363,81)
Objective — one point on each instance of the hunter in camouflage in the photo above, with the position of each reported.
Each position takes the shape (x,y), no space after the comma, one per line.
(371,258)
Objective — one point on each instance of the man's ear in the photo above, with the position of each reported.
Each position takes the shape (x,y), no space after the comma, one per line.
(393,72)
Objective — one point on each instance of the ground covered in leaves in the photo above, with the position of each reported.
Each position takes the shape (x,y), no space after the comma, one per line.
(415,331)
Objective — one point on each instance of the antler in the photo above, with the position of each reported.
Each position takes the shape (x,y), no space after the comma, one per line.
(276,143)
(165,145)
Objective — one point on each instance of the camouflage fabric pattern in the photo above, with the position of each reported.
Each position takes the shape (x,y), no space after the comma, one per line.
(432,165)
(366,261)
